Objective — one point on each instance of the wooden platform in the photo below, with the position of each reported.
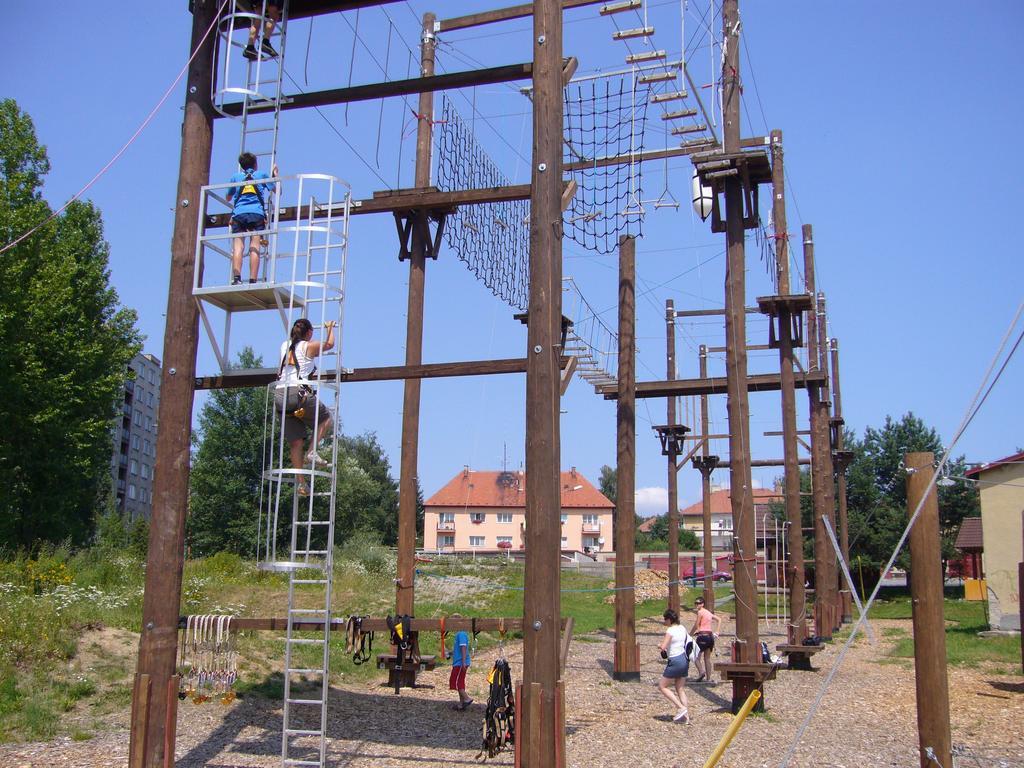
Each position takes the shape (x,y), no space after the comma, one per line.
(793,303)
(799,656)
(759,673)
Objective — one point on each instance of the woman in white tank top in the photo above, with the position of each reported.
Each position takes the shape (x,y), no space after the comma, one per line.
(297,402)
(675,647)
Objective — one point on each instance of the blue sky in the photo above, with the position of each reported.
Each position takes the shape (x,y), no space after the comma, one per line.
(891,113)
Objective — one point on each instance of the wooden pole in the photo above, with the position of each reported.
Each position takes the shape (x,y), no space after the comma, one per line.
(405,596)
(626,666)
(794,534)
(819,436)
(541,600)
(158,643)
(740,485)
(926,598)
(706,466)
(673,470)
(841,463)
(829,478)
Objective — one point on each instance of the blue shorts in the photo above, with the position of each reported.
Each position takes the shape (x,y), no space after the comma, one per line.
(678,666)
(247,222)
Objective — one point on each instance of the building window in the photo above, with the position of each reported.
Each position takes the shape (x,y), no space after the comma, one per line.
(137,419)
(135,442)
(564,519)
(590,519)
(476,541)
(504,517)
(145,447)
(477,517)
(504,540)
(565,540)
(131,491)
(145,470)
(447,517)
(446,541)
(134,469)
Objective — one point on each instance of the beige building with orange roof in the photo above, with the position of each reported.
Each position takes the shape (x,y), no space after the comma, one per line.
(721,515)
(486,512)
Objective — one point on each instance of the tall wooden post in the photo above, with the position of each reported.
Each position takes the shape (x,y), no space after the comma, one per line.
(152,730)
(841,462)
(926,598)
(819,438)
(405,596)
(740,485)
(795,537)
(627,665)
(673,470)
(829,479)
(706,463)
(542,738)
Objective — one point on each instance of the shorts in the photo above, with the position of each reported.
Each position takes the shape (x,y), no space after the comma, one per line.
(678,666)
(295,428)
(457,678)
(247,222)
(705,641)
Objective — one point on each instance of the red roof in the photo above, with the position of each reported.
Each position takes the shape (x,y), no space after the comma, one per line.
(721,503)
(1016,458)
(508,489)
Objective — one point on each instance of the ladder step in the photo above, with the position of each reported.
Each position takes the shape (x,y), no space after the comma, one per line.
(636,58)
(692,143)
(301,671)
(304,641)
(689,129)
(293,761)
(628,5)
(629,34)
(307,611)
(658,98)
(679,113)
(309,581)
(658,77)
(305,701)
(312,522)
(300,732)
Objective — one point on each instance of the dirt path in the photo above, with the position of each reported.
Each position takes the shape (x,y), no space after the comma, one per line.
(867,719)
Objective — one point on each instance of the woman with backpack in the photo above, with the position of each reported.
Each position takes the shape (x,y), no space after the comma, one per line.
(297,400)
(676,647)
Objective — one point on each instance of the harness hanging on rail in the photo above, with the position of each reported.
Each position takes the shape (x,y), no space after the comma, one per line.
(499,727)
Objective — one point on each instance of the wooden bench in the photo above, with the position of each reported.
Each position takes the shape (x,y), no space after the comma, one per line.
(404,676)
(799,656)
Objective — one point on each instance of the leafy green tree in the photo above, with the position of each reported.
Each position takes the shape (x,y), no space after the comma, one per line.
(607,482)
(66,347)
(227,466)
(659,532)
(367,496)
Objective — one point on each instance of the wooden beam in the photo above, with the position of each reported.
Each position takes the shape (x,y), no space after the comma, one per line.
(416,85)
(261,377)
(501,14)
(401,201)
(451,624)
(762,382)
(304,9)
(654,154)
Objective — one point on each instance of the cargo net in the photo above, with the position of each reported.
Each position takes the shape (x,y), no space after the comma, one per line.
(605,118)
(493,239)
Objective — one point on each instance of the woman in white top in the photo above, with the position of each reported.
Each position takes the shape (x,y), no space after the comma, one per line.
(297,400)
(674,648)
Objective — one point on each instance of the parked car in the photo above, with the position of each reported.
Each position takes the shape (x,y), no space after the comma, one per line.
(721,576)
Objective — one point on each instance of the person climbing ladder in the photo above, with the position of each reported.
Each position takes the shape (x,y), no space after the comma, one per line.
(248,214)
(270,19)
(297,399)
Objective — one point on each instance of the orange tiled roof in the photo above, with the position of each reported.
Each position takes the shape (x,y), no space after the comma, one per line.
(508,489)
(722,505)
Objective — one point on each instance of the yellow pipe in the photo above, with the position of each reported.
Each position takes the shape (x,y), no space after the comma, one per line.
(734,726)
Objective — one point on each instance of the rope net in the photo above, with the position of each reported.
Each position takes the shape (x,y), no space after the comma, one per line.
(492,239)
(603,119)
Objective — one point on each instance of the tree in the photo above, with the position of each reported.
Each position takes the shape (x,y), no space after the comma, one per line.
(66,347)
(687,539)
(367,498)
(608,482)
(227,466)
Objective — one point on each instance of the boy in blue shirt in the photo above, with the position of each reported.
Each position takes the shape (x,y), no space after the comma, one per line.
(460,666)
(248,214)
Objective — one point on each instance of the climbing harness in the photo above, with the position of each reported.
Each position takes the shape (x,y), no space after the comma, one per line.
(475,632)
(251,187)
(357,642)
(444,634)
(402,639)
(499,727)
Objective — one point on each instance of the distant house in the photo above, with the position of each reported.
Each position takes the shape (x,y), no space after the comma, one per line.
(486,512)
(721,516)
(1001,485)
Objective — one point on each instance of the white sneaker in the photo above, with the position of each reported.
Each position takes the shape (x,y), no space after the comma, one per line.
(316,460)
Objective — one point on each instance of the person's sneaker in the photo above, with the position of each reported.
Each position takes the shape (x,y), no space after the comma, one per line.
(267,49)
(680,716)
(317,460)
(236,280)
(250,52)
(252,280)
(302,490)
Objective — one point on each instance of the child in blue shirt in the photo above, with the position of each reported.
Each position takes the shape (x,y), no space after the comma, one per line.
(248,214)
(460,666)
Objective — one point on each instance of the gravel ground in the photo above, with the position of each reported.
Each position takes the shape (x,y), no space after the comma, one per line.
(866,719)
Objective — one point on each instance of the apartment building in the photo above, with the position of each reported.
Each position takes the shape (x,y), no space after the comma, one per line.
(485,511)
(721,516)
(134,455)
